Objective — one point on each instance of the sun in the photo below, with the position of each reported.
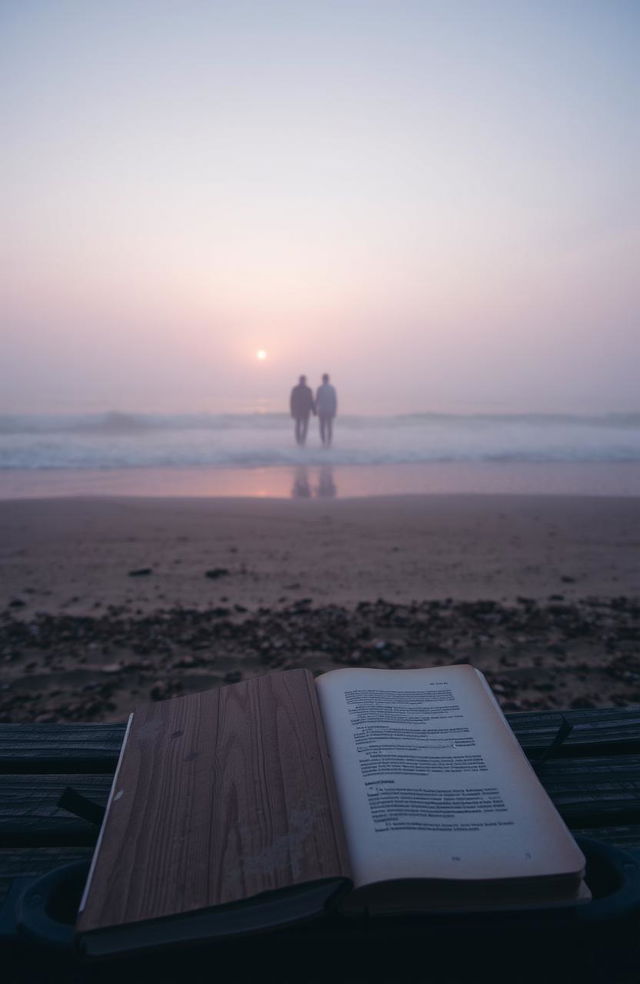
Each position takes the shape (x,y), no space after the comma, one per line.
(261,355)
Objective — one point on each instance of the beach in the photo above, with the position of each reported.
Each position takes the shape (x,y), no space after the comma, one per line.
(109,601)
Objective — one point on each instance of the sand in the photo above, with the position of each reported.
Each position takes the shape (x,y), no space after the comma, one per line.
(106,602)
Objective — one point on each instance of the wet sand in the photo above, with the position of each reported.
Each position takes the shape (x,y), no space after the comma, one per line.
(317,477)
(105,603)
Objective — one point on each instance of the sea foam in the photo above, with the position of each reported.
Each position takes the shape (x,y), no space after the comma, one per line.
(132,440)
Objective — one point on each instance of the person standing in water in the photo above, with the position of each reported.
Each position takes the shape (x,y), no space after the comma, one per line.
(301,406)
(326,408)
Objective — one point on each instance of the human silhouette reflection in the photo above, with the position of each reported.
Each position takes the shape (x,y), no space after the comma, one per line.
(324,489)
(301,488)
(326,486)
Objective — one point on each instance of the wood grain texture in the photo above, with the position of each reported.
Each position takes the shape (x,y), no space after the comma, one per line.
(588,792)
(221,796)
(41,748)
(35,861)
(626,836)
(597,731)
(30,815)
(592,792)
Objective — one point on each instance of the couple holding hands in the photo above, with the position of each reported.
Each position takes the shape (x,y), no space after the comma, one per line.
(303,404)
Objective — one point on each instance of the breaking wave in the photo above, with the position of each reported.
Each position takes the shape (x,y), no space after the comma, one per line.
(130,440)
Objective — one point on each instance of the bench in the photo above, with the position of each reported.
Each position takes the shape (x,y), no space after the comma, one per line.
(593,777)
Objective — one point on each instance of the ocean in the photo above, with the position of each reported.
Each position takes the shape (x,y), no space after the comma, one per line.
(245,453)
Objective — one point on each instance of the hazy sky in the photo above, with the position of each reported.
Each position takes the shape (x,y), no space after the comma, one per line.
(436,201)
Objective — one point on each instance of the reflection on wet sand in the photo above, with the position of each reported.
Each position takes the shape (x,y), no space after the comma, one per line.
(301,488)
(325,488)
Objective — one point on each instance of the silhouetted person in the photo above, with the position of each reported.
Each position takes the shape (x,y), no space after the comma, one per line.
(326,408)
(302,406)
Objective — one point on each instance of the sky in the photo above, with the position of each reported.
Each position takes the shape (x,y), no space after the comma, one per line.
(435,201)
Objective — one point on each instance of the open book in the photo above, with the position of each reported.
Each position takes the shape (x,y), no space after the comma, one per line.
(268,801)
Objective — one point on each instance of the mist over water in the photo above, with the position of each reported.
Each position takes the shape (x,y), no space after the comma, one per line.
(120,440)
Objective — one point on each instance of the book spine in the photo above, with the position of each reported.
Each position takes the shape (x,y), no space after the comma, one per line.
(83,900)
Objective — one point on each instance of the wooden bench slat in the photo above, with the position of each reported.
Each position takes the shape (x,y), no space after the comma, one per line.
(40,748)
(592,792)
(74,748)
(589,792)
(29,812)
(626,836)
(35,861)
(598,731)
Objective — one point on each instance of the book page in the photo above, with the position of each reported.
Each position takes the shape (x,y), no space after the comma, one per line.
(432,783)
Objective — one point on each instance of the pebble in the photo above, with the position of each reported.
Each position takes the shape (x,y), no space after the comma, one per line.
(537,655)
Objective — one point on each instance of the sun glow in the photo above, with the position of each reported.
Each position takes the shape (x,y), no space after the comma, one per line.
(261,355)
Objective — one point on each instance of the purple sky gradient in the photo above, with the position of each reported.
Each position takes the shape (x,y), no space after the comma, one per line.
(436,202)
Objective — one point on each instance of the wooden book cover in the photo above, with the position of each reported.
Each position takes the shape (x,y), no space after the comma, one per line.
(218,797)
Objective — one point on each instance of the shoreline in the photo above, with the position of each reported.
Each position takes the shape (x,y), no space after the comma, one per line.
(109,602)
(306,480)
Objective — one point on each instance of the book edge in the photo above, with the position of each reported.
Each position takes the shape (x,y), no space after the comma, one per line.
(578,872)
(94,859)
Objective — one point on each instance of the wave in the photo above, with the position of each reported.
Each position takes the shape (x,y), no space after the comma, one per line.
(121,422)
(124,440)
(279,459)
(117,422)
